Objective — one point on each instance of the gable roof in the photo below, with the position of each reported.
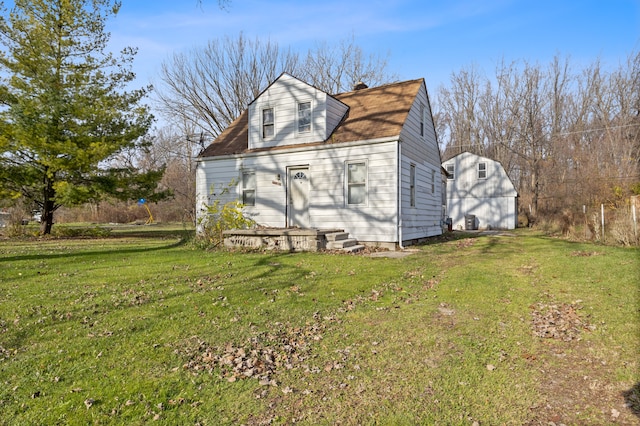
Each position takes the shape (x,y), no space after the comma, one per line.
(373,113)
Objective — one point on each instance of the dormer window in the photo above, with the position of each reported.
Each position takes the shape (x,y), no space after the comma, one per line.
(304,117)
(268,127)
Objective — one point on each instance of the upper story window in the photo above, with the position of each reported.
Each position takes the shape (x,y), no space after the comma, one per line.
(268,123)
(357,183)
(304,117)
(482,170)
(451,171)
(422,120)
(249,188)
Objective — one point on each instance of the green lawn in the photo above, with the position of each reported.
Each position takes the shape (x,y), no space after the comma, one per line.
(144,327)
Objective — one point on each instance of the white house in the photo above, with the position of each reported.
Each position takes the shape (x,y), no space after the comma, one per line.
(365,161)
(480,195)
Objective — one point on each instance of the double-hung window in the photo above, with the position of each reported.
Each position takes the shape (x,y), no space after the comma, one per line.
(357,183)
(451,171)
(482,170)
(249,188)
(268,123)
(304,117)
(422,111)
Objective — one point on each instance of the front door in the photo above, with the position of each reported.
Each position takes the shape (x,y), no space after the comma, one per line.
(298,211)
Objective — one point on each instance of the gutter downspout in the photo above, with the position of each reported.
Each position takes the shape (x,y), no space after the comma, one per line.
(399,201)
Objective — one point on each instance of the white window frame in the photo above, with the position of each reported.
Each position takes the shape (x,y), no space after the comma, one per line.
(482,171)
(268,124)
(451,174)
(299,118)
(412,185)
(247,189)
(348,184)
(422,111)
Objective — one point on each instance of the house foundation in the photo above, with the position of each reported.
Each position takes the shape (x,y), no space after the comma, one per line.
(294,239)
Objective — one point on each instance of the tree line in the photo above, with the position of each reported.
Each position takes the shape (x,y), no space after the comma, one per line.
(567,137)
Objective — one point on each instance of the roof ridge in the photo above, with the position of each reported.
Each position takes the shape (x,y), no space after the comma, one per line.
(382,86)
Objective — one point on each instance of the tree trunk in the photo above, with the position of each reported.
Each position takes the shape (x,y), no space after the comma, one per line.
(535,191)
(48,207)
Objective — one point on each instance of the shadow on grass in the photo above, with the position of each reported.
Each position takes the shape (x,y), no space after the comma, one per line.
(632,399)
(150,232)
(448,236)
(39,256)
(274,268)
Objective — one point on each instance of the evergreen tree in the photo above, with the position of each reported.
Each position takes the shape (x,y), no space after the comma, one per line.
(65,108)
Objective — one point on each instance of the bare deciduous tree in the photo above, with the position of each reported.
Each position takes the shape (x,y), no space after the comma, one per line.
(209,87)
(461,101)
(336,69)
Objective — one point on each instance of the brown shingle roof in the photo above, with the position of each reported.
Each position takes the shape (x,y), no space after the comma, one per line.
(373,113)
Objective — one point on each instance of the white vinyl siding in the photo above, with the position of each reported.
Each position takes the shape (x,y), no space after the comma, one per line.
(285,96)
(419,147)
(215,180)
(328,208)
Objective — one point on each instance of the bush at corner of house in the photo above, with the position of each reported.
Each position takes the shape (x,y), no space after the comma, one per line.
(219,217)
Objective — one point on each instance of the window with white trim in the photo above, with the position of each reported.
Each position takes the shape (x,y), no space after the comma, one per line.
(304,117)
(268,123)
(422,120)
(482,170)
(249,188)
(412,185)
(451,171)
(357,183)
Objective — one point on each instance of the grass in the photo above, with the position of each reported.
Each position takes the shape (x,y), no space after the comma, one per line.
(127,330)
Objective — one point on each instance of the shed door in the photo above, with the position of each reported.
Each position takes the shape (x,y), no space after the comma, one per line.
(298,197)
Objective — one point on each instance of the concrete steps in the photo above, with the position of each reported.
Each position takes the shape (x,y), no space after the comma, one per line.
(341,241)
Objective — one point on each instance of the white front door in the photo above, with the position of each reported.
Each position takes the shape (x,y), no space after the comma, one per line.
(298,211)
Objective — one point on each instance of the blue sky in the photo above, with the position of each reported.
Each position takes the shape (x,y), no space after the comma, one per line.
(428,38)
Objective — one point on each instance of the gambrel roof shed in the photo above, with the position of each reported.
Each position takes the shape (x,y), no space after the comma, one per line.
(479,189)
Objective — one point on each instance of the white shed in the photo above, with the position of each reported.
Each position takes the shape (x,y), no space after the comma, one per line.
(480,194)
(365,161)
